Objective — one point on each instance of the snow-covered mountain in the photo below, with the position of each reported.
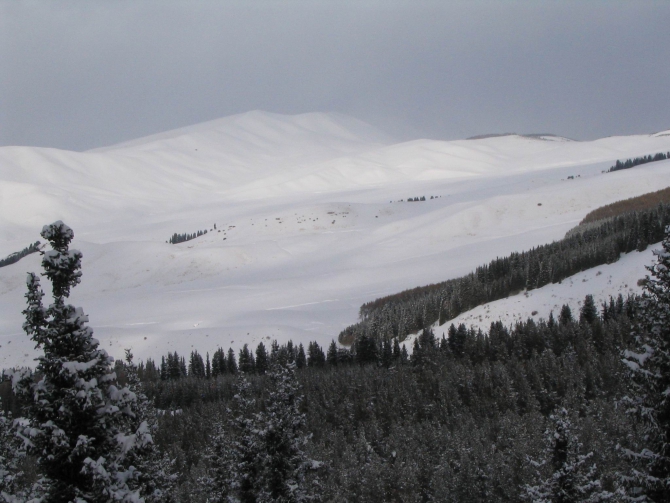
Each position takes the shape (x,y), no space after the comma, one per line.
(309,223)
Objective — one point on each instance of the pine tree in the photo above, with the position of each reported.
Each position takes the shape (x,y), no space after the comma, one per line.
(301,359)
(246,360)
(285,465)
(218,363)
(196,367)
(404,356)
(316,358)
(650,372)
(155,476)
(589,311)
(331,357)
(387,354)
(396,349)
(12,452)
(262,362)
(574,478)
(366,350)
(235,453)
(565,316)
(79,420)
(231,363)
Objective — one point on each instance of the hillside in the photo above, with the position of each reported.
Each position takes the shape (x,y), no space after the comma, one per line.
(309,222)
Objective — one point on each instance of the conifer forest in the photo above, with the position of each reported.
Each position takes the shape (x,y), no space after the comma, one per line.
(571,408)
(217,286)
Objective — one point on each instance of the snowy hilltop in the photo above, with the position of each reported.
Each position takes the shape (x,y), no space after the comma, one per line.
(306,217)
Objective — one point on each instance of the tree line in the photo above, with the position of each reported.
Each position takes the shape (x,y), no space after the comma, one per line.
(582,248)
(12,258)
(507,414)
(173,366)
(629,163)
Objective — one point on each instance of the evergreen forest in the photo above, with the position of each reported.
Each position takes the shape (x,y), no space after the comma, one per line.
(586,246)
(571,408)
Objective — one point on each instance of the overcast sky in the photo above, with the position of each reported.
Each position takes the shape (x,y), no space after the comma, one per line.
(83,74)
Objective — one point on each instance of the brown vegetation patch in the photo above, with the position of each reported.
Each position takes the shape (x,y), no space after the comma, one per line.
(643,202)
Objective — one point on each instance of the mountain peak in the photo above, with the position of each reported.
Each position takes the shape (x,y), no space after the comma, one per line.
(262,125)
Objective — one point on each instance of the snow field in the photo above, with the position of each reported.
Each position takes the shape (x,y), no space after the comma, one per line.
(306,230)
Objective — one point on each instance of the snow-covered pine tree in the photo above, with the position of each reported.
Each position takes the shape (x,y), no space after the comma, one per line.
(258,457)
(235,455)
(285,465)
(11,452)
(650,383)
(78,419)
(574,477)
(155,477)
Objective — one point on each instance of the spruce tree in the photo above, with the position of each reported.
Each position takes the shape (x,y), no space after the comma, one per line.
(155,476)
(589,311)
(12,453)
(396,349)
(565,316)
(331,357)
(301,359)
(649,368)
(78,419)
(231,363)
(218,363)
(246,360)
(234,452)
(573,477)
(285,465)
(262,362)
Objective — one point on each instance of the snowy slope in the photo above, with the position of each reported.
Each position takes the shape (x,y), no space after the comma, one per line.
(309,222)
(601,282)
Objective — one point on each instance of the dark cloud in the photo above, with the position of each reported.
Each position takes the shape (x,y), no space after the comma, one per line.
(78,74)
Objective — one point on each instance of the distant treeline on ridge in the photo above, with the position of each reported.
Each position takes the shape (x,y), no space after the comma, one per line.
(629,163)
(584,247)
(16,256)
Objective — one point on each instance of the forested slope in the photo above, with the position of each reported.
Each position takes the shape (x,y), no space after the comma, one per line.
(584,247)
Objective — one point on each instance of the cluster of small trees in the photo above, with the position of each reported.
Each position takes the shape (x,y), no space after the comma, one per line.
(16,256)
(629,163)
(584,247)
(180,238)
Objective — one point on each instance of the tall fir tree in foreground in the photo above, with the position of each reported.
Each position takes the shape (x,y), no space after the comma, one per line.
(650,388)
(79,421)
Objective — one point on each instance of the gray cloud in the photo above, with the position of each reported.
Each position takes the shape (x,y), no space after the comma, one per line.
(78,75)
